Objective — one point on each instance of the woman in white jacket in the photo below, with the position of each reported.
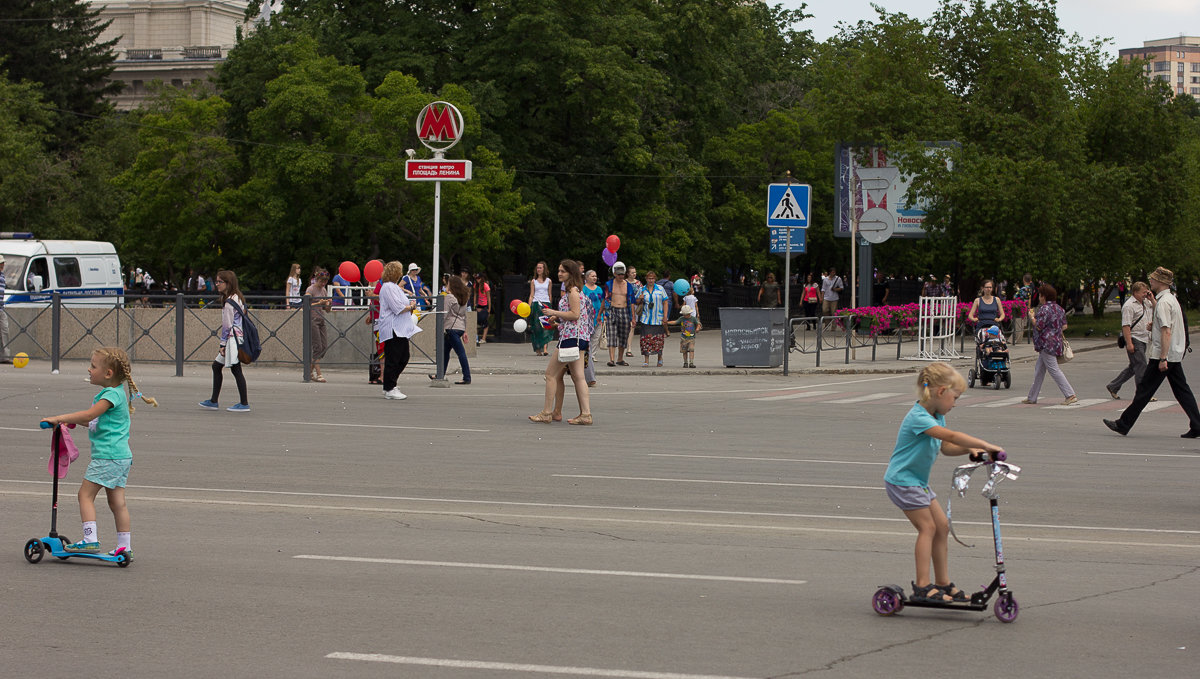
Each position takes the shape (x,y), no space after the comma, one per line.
(395,326)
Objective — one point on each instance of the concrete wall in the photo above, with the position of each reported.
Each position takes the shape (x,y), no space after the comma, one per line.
(148,334)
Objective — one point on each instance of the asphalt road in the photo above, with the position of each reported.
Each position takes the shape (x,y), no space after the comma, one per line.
(706,526)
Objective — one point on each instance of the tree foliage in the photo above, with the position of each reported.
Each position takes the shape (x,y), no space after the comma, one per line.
(661,121)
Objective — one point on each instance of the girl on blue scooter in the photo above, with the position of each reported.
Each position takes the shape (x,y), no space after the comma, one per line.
(108,431)
(922,435)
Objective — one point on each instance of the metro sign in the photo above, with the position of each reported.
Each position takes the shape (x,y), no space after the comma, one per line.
(437,170)
(439,126)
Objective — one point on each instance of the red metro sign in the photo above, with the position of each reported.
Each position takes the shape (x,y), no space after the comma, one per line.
(439,126)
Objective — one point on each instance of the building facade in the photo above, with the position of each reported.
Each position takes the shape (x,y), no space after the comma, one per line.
(177,42)
(1175,61)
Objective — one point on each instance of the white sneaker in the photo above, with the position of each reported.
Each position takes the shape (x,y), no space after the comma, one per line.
(394,394)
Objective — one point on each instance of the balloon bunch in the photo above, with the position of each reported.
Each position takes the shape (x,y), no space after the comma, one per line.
(521,309)
(609,253)
(371,272)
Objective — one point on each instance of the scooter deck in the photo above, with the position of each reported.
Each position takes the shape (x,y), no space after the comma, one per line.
(978,602)
(55,547)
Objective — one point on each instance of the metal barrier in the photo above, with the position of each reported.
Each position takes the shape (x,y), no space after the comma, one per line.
(180,328)
(822,334)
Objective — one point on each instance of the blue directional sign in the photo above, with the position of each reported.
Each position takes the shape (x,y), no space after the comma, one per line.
(779,240)
(789,205)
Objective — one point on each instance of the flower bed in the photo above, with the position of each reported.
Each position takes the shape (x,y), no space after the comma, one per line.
(877,319)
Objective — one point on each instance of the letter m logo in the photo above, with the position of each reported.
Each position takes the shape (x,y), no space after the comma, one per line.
(439,125)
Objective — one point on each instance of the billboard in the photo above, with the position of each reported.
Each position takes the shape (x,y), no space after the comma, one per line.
(879,189)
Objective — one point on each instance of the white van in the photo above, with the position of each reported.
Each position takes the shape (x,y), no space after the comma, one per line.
(84,272)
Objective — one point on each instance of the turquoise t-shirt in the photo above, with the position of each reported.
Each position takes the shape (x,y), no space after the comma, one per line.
(109,433)
(915,451)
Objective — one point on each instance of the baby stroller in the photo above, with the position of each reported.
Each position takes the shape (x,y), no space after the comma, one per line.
(991,359)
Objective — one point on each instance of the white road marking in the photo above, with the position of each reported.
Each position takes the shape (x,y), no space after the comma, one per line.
(549,569)
(549,505)
(1194,457)
(28,429)
(760,459)
(1159,405)
(789,397)
(997,403)
(520,667)
(731,483)
(1081,403)
(382,426)
(867,397)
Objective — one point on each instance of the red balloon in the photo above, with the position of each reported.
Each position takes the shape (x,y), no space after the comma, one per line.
(373,270)
(613,243)
(513,307)
(349,271)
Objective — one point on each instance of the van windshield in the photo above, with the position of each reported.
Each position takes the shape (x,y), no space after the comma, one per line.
(13,266)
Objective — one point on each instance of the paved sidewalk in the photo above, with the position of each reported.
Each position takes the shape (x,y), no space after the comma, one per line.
(499,358)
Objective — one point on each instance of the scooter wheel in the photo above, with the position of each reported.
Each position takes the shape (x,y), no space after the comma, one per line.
(122,560)
(34,549)
(886,601)
(1006,608)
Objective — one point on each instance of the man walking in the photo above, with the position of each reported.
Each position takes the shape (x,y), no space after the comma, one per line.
(1168,343)
(831,288)
(1135,331)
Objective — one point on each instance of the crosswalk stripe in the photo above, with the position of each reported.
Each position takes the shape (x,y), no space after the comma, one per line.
(1151,407)
(867,397)
(789,397)
(997,403)
(1081,403)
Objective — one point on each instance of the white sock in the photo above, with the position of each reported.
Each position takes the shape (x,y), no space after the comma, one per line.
(89,532)
(123,540)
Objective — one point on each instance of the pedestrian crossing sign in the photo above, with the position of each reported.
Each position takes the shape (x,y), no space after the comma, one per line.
(789,205)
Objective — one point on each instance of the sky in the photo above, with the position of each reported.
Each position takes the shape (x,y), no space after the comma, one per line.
(1128,22)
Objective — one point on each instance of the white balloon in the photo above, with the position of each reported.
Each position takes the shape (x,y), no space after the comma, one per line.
(520,325)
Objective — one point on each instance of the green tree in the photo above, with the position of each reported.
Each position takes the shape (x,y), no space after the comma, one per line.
(28,172)
(56,43)
(184,208)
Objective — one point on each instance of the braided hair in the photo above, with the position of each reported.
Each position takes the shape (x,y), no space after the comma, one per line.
(117,361)
(937,375)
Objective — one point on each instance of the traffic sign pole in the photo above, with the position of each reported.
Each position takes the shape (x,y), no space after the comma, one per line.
(787,278)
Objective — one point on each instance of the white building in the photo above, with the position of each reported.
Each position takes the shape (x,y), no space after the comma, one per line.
(178,42)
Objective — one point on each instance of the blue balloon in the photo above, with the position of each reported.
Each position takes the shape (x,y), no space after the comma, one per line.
(682,287)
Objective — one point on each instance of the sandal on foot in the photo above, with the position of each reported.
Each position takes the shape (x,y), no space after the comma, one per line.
(541,418)
(954,592)
(660,362)
(623,363)
(318,378)
(582,419)
(611,364)
(930,592)
(645,364)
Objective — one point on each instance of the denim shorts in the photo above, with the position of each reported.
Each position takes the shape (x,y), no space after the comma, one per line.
(910,497)
(109,473)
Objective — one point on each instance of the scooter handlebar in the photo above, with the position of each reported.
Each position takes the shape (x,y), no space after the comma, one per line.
(998,456)
(45,425)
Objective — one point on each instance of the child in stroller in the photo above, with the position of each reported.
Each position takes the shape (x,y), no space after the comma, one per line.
(991,359)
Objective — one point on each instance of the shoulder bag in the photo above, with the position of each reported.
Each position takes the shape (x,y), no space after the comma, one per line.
(1067,353)
(1121,337)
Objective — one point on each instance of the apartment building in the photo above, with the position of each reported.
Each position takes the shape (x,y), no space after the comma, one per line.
(1175,61)
(178,42)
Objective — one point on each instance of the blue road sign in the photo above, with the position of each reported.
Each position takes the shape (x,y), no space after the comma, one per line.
(779,237)
(789,205)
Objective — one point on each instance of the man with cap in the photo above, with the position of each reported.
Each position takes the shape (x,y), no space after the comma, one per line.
(414,287)
(4,356)
(618,296)
(1168,344)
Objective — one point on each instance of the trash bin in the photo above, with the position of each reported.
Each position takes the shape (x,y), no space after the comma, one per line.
(752,337)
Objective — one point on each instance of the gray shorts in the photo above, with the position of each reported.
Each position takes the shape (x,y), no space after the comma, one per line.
(910,497)
(109,473)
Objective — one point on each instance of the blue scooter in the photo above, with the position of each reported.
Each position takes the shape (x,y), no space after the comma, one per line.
(56,543)
(890,599)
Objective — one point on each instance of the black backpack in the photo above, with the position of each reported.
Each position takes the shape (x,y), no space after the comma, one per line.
(251,347)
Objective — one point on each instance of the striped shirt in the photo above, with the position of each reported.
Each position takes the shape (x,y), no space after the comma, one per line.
(654,305)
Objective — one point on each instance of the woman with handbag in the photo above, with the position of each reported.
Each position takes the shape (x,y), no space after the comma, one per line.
(576,318)
(395,326)
(233,308)
(1048,326)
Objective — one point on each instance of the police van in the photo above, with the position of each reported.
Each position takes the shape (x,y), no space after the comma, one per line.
(84,272)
